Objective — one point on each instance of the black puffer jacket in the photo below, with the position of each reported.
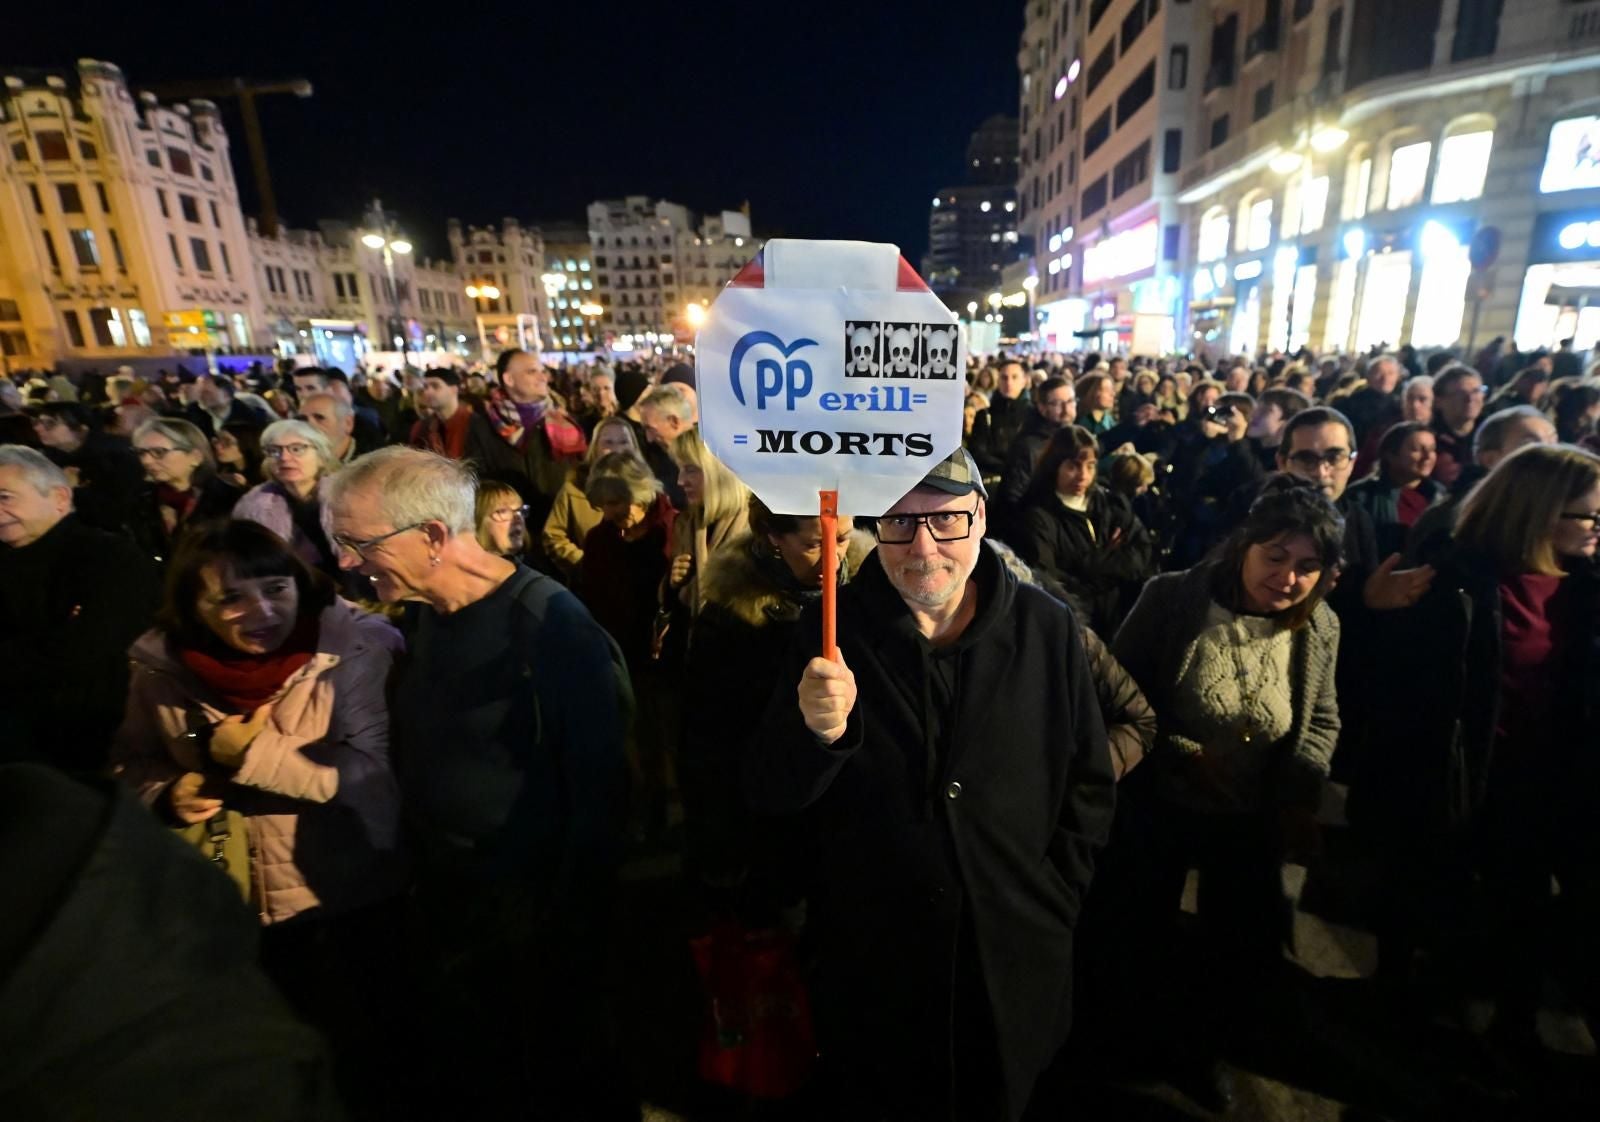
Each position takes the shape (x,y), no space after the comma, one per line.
(983,814)
(1099,556)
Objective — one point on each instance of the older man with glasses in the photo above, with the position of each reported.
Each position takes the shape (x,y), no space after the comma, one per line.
(511,710)
(953,770)
(72,598)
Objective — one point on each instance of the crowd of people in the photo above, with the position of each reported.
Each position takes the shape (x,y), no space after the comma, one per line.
(419,659)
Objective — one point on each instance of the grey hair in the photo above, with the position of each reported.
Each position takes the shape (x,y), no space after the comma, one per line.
(669,399)
(42,475)
(412,487)
(327,462)
(342,409)
(184,436)
(620,476)
(1421,381)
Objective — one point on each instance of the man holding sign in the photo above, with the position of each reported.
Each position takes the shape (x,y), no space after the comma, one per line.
(954,768)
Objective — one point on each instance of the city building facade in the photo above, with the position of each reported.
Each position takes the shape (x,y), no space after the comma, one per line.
(652,261)
(1105,111)
(1377,175)
(120,228)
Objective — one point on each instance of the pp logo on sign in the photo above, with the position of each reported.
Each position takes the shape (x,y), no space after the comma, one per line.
(899,350)
(790,379)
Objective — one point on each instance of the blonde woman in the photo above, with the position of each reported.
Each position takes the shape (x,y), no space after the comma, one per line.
(572,516)
(717,513)
(298,461)
(502,519)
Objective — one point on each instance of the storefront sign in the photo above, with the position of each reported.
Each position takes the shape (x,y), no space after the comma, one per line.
(1567,235)
(1122,255)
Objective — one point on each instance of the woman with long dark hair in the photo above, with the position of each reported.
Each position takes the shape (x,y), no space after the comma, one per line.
(1237,657)
(1082,538)
(259,692)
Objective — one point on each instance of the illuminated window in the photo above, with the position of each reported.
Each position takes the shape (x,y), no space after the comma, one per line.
(84,248)
(1383,300)
(1214,235)
(1305,292)
(1313,204)
(1463,166)
(1408,174)
(1357,184)
(1255,224)
(141,327)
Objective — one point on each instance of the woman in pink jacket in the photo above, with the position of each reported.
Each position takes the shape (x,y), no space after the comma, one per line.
(260,692)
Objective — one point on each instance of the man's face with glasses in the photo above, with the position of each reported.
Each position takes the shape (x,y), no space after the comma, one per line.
(396,559)
(1320,454)
(928,543)
(1059,406)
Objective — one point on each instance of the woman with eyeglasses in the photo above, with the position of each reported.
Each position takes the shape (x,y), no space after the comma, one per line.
(182,487)
(298,461)
(502,519)
(1490,700)
(1236,655)
(105,474)
(260,692)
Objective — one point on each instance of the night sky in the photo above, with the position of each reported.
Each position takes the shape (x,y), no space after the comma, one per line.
(834,119)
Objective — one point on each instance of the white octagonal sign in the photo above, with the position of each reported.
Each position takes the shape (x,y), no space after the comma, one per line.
(830,366)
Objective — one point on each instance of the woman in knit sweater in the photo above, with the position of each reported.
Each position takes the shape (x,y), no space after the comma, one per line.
(1237,657)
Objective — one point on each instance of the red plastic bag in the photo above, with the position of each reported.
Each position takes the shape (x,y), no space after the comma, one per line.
(757,1037)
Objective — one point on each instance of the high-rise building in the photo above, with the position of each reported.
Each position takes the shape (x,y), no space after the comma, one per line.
(1105,117)
(569,288)
(992,153)
(972,227)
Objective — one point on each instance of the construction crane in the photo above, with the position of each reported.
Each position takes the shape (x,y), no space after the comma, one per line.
(245,93)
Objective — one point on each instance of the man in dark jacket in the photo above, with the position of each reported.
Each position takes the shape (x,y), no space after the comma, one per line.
(954,767)
(1374,409)
(996,427)
(215,407)
(72,598)
(1055,405)
(106,478)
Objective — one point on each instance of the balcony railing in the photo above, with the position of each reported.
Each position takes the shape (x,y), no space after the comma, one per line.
(1220,76)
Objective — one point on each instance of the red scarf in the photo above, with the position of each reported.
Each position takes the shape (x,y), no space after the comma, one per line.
(446,438)
(182,503)
(246,681)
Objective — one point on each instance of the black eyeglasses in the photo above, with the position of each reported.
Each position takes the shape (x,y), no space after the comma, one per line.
(1591,517)
(360,548)
(943,526)
(1333,457)
(507,513)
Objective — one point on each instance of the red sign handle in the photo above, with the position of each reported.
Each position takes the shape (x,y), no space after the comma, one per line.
(830,574)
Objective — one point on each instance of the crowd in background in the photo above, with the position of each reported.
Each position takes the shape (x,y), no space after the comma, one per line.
(452,643)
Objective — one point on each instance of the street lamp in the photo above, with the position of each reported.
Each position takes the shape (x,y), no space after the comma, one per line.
(695,314)
(1029,283)
(390,244)
(972,308)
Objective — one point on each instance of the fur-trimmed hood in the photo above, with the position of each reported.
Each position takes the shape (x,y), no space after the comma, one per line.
(735,582)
